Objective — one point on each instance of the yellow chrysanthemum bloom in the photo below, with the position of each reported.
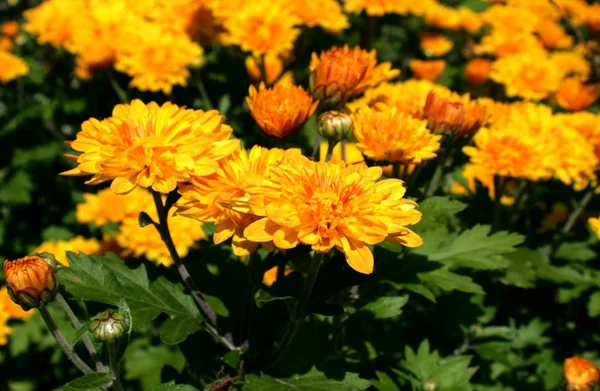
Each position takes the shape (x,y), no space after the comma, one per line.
(427,69)
(502,43)
(107,207)
(324,13)
(574,95)
(272,68)
(146,241)
(328,205)
(530,75)
(571,62)
(13,310)
(151,146)
(381,7)
(393,136)
(260,27)
(510,18)
(157,58)
(55,21)
(208,199)
(12,67)
(78,244)
(441,16)
(586,123)
(435,45)
(552,35)
(595,225)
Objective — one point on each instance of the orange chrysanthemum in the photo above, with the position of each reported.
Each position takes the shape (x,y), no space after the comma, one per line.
(78,244)
(12,67)
(574,95)
(478,70)
(435,45)
(9,29)
(151,146)
(393,136)
(428,69)
(261,27)
(209,198)
(592,17)
(328,205)
(456,115)
(325,13)
(552,35)
(54,21)
(280,110)
(580,374)
(503,42)
(340,73)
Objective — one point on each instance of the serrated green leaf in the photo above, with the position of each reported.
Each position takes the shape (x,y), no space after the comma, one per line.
(171,386)
(17,190)
(437,206)
(311,381)
(386,307)
(594,305)
(106,279)
(452,373)
(175,330)
(91,381)
(575,251)
(144,362)
(449,281)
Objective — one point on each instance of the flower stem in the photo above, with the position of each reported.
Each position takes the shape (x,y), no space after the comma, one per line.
(439,172)
(499,186)
(163,229)
(113,362)
(577,212)
(301,307)
(208,105)
(343,149)
(115,85)
(330,146)
(63,343)
(62,303)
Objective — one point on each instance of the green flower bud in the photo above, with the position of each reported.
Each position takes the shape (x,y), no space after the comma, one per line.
(108,325)
(335,125)
(50,260)
(431,385)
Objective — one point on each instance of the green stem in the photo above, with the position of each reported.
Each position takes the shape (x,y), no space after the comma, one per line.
(439,172)
(62,303)
(330,145)
(301,307)
(396,170)
(577,212)
(115,85)
(63,343)
(163,229)
(520,199)
(343,149)
(203,92)
(113,362)
(499,187)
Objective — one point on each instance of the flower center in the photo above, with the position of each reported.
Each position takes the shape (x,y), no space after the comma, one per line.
(326,208)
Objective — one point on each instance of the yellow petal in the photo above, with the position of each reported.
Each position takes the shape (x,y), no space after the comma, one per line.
(358,256)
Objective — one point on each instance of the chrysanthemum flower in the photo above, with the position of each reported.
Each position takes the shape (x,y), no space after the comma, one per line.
(441,16)
(478,70)
(340,73)
(473,174)
(107,207)
(151,146)
(273,68)
(427,69)
(552,35)
(260,27)
(458,116)
(574,95)
(580,374)
(146,241)
(381,7)
(324,13)
(592,17)
(12,67)
(328,205)
(9,29)
(393,136)
(510,18)
(54,21)
(469,20)
(209,198)
(503,42)
(586,123)
(530,76)
(571,62)
(435,45)
(280,110)
(78,244)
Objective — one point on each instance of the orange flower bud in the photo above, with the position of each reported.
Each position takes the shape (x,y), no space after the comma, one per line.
(478,71)
(10,28)
(580,374)
(574,95)
(6,44)
(435,45)
(428,70)
(334,125)
(459,117)
(31,282)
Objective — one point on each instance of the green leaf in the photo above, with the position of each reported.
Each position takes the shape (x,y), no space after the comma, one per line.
(171,386)
(437,206)
(217,305)
(311,381)
(175,330)
(144,362)
(262,297)
(54,232)
(452,373)
(17,190)
(594,305)
(449,281)
(386,307)
(385,382)
(232,358)
(475,249)
(144,219)
(88,382)
(40,154)
(224,104)
(575,251)
(106,279)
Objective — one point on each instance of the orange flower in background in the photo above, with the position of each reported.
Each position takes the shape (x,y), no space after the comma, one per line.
(574,95)
(280,110)
(107,207)
(393,136)
(340,73)
(273,68)
(12,67)
(592,17)
(30,281)
(9,29)
(327,205)
(208,199)
(151,146)
(502,43)
(78,244)
(456,115)
(580,374)
(435,45)
(552,35)
(54,21)
(427,69)
(478,70)
(324,13)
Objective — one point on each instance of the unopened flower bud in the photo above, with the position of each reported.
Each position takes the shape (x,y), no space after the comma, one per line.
(108,325)
(334,125)
(431,385)
(459,117)
(50,260)
(31,282)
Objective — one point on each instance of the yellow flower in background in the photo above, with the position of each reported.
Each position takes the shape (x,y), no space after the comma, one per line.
(584,122)
(280,110)
(107,207)
(261,27)
(353,154)
(270,276)
(427,69)
(146,241)
(10,308)
(530,75)
(478,70)
(502,43)
(324,13)
(54,21)
(441,16)
(12,67)
(571,62)
(151,146)
(5,329)
(393,136)
(473,174)
(78,244)
(592,17)
(552,35)
(595,225)
(381,7)
(580,374)
(273,68)
(327,205)
(511,18)
(435,45)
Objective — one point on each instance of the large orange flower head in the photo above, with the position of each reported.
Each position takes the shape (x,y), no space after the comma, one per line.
(327,205)
(340,73)
(280,110)
(151,146)
(210,199)
(580,374)
(393,136)
(31,282)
